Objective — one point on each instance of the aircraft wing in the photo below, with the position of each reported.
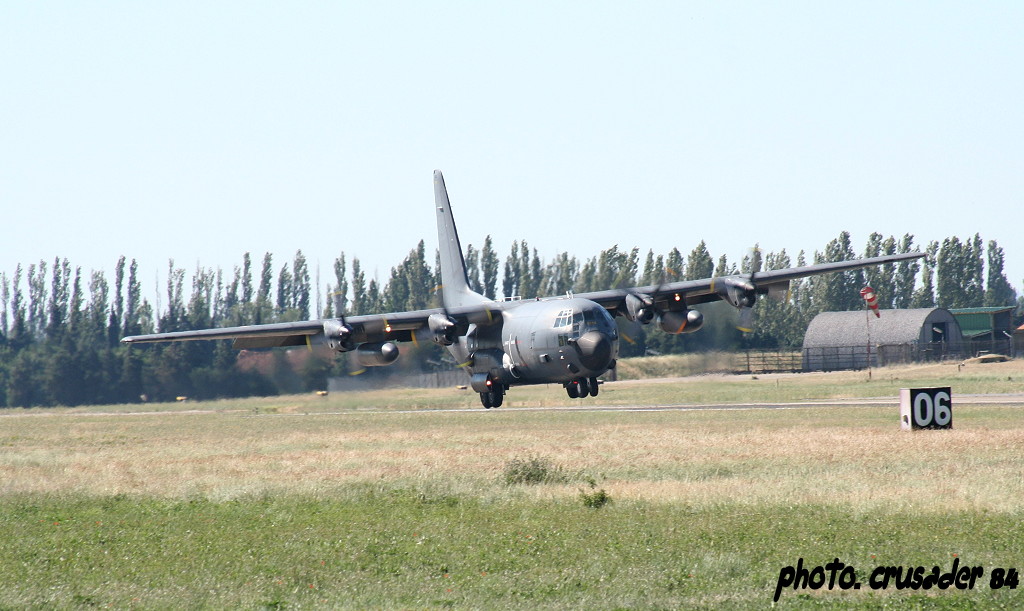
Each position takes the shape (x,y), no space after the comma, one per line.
(676,295)
(739,290)
(395,326)
(278,334)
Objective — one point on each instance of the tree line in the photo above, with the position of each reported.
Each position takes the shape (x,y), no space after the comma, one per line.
(60,327)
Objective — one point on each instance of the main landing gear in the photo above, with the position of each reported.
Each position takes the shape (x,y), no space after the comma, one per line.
(493,397)
(578,389)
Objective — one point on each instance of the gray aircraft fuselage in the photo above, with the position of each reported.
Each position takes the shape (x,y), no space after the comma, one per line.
(542,342)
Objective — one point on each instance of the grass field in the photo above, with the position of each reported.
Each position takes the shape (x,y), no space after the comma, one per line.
(379,499)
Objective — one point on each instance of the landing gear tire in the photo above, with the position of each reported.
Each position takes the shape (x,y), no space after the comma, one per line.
(593,387)
(584,387)
(573,390)
(492,398)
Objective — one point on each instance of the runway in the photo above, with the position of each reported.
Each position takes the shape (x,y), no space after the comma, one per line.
(1008,400)
(1014,400)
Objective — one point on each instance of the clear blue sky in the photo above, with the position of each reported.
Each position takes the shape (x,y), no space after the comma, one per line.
(201,130)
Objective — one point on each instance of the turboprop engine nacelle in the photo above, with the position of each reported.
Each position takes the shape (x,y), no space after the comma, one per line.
(377,354)
(737,292)
(640,308)
(338,336)
(683,321)
(442,328)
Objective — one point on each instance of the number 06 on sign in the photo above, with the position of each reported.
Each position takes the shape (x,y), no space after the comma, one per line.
(926,408)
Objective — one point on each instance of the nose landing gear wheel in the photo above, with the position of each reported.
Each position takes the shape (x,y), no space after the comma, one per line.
(579,389)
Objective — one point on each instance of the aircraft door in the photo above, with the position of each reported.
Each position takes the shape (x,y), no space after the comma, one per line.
(516,355)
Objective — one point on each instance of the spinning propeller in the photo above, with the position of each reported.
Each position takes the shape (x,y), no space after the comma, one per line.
(338,333)
(741,290)
(669,309)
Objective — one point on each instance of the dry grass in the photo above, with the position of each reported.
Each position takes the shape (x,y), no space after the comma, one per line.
(855,457)
(380,505)
(677,365)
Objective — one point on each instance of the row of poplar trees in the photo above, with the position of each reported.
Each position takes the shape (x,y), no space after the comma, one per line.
(60,327)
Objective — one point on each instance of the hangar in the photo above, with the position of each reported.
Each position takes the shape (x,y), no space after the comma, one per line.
(986,324)
(857,340)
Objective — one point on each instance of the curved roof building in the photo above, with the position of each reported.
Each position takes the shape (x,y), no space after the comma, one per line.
(856,340)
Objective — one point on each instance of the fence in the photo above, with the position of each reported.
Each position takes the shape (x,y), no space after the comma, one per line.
(830,358)
(1000,346)
(833,358)
(769,361)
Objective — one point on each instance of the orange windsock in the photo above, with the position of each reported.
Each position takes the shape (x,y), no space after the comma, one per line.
(871,298)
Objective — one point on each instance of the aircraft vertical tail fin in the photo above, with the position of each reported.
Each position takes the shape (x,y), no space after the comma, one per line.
(455,283)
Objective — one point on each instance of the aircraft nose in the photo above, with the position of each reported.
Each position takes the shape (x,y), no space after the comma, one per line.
(595,350)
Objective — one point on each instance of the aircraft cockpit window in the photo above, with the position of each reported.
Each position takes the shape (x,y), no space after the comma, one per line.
(563,319)
(602,320)
(577,323)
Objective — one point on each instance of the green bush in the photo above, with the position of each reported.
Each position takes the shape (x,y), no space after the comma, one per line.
(596,498)
(533,470)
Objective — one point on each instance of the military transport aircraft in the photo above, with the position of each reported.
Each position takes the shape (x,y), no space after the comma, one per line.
(568,340)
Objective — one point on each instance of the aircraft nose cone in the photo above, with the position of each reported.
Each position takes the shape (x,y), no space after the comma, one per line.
(595,350)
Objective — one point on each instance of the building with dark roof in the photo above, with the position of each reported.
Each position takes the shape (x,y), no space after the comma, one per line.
(857,340)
